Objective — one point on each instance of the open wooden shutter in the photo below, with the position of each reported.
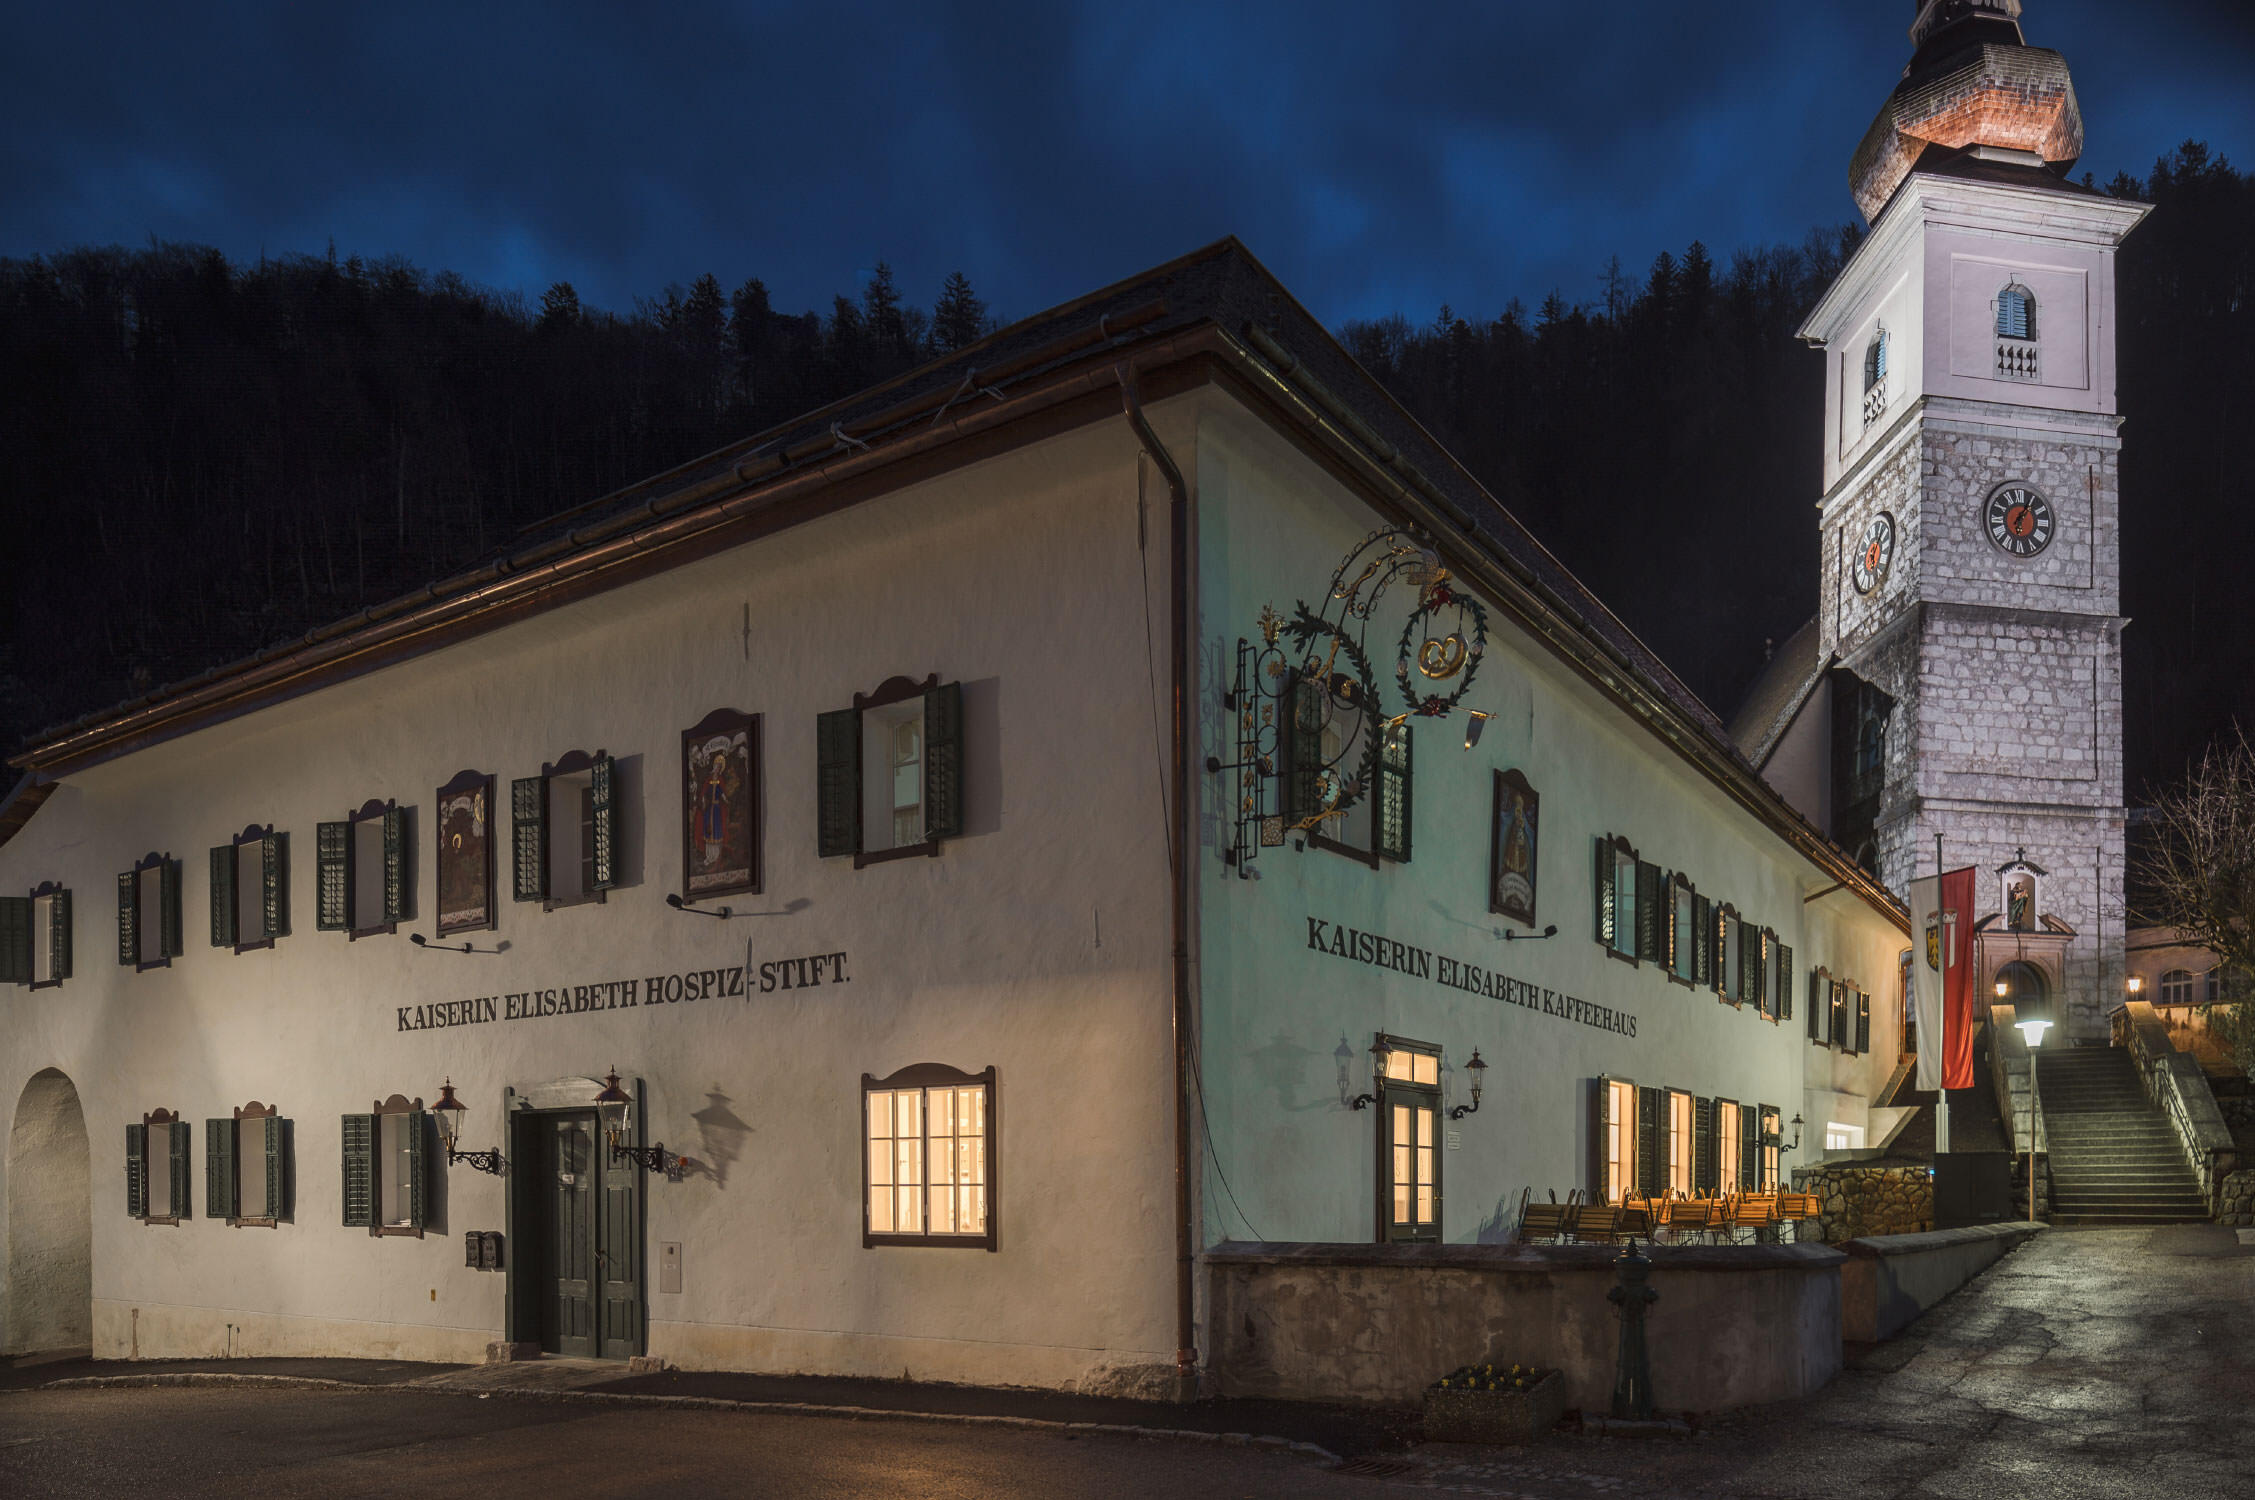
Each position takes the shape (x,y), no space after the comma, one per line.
(1703,941)
(603,823)
(15,940)
(219,1169)
(528,821)
(137,1171)
(274,884)
(1602,884)
(1749,1148)
(1784,982)
(1704,1173)
(59,933)
(168,888)
(1652,1140)
(837,782)
(1390,815)
(1816,1007)
(223,896)
(943,761)
(420,1186)
(1863,1022)
(1600,1136)
(1651,899)
(281,1181)
(358,1133)
(128,920)
(180,1172)
(332,877)
(1838,1004)
(399,885)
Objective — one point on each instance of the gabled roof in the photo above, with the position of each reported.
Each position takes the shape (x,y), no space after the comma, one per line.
(1215,310)
(1778,695)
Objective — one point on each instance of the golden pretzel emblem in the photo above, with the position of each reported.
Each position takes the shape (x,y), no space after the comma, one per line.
(1442,659)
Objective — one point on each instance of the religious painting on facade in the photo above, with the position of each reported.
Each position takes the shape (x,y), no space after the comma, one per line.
(465,853)
(1516,830)
(719,839)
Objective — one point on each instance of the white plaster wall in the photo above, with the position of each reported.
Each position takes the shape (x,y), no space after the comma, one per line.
(49,1227)
(1036,943)
(1300,1165)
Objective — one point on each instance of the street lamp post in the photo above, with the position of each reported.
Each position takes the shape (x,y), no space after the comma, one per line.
(2032,1014)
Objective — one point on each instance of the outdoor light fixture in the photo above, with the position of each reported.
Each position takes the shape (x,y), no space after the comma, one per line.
(1377,1077)
(1796,1133)
(1474,722)
(2136,983)
(2004,990)
(1510,936)
(1475,1071)
(689,904)
(617,1109)
(450,1111)
(2032,1014)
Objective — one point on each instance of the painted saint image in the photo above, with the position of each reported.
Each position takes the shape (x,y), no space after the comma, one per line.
(465,897)
(1516,840)
(717,818)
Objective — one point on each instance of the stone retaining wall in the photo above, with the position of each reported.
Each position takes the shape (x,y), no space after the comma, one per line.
(2235,1199)
(1861,1200)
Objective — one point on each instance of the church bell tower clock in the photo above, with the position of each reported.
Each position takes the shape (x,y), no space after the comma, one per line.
(1971,484)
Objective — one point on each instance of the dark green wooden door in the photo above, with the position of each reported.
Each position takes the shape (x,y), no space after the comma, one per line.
(617,1258)
(571,1197)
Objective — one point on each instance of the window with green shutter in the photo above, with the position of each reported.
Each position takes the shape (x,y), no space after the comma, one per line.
(1391,817)
(1730,962)
(1620,914)
(889,772)
(219,1169)
(1651,1141)
(1784,982)
(565,827)
(1863,1023)
(50,935)
(247,1167)
(1820,990)
(391,1167)
(1683,929)
(148,913)
(365,883)
(250,890)
(15,940)
(528,838)
(157,1168)
(1651,913)
(1705,1176)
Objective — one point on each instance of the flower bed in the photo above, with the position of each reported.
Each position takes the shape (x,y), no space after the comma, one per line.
(1494,1404)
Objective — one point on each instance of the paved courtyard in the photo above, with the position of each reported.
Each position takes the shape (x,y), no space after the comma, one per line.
(2102,1363)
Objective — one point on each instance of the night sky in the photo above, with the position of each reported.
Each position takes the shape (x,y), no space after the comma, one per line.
(1379,158)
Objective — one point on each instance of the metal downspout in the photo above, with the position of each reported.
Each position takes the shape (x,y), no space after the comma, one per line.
(1180,760)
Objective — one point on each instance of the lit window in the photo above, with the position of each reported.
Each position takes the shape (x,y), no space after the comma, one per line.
(1728,1130)
(889,771)
(1409,1110)
(1619,1128)
(389,1167)
(928,1161)
(156,1168)
(1770,1119)
(1679,1143)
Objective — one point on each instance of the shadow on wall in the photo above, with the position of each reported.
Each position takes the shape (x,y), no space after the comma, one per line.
(720,1136)
(1282,1068)
(50,1302)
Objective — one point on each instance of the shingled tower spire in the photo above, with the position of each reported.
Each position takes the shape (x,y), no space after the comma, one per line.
(1969,604)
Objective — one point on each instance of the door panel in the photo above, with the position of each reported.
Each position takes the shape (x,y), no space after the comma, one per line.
(568,1176)
(617,1253)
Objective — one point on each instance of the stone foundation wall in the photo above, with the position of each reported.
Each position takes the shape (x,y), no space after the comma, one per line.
(1860,1201)
(2235,1199)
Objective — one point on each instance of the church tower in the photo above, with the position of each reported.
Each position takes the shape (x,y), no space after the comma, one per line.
(1969,628)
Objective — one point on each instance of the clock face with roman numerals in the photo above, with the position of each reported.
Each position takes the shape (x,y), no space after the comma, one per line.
(1875,554)
(2019,520)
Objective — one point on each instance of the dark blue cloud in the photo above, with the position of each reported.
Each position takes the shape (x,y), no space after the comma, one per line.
(1379,158)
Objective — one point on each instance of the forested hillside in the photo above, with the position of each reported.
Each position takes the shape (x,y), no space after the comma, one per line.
(199,458)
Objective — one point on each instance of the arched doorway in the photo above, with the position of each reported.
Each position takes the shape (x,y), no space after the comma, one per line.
(2022,981)
(50,1220)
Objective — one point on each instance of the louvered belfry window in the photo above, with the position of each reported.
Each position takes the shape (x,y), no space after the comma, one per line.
(2016,313)
(889,772)
(364,880)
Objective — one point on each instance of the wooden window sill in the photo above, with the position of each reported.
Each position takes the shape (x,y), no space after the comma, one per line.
(929,1241)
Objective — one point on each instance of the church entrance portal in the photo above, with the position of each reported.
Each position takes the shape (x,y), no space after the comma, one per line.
(50,1221)
(2023,982)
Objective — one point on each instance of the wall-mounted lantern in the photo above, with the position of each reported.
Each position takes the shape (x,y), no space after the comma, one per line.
(1377,1076)
(616,1107)
(450,1111)
(1475,1073)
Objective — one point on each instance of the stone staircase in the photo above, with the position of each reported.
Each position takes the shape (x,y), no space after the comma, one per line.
(2114,1158)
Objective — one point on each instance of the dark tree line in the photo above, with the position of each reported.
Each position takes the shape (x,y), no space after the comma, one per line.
(199,458)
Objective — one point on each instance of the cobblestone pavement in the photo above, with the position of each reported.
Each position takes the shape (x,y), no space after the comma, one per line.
(2113,1364)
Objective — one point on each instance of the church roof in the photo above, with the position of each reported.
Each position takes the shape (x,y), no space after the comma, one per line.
(1778,695)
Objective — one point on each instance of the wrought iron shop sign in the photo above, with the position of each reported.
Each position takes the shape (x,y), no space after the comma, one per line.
(735,980)
(1381,952)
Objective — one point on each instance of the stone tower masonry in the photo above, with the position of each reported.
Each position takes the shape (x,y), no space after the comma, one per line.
(1971,481)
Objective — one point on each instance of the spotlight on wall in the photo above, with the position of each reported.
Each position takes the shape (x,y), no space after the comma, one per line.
(1512,936)
(428,946)
(1474,722)
(689,905)
(1476,1072)
(450,1111)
